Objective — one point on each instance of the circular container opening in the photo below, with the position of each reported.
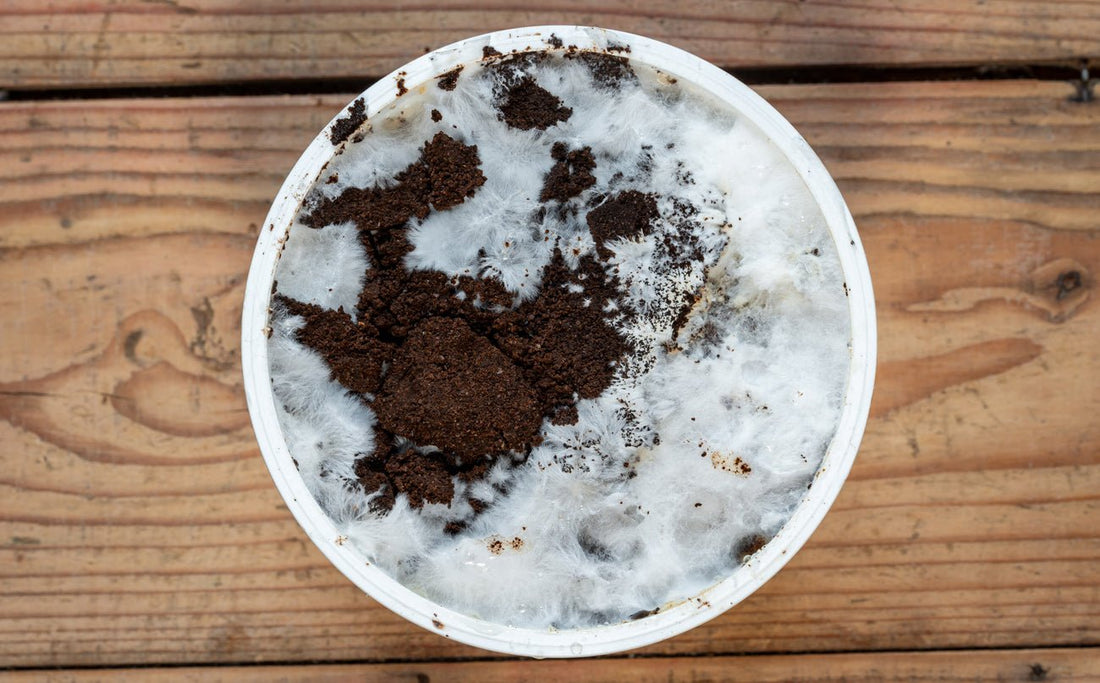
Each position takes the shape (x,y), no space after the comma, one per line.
(674,617)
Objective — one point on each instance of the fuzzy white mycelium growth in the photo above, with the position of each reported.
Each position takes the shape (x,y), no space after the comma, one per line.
(729,420)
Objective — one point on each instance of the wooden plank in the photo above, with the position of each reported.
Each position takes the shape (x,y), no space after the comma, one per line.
(1008,665)
(73,43)
(137,522)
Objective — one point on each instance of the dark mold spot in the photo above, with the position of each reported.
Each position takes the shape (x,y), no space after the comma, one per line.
(642,614)
(749,546)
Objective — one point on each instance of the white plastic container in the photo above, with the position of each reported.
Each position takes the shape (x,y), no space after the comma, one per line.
(670,621)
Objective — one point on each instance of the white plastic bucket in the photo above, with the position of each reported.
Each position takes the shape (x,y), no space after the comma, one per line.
(672,620)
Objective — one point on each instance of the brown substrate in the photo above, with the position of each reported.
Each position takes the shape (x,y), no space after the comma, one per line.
(449,80)
(609,71)
(445,175)
(344,127)
(527,105)
(627,214)
(449,387)
(455,367)
(459,373)
(571,173)
(353,351)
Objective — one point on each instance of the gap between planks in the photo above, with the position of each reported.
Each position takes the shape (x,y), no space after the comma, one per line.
(1033,664)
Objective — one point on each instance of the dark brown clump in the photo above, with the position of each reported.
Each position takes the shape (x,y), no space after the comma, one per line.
(376,208)
(422,477)
(570,175)
(353,351)
(488,52)
(436,116)
(609,71)
(453,171)
(627,214)
(449,80)
(462,380)
(445,175)
(527,105)
(371,473)
(451,388)
(554,41)
(344,127)
(561,362)
(401,89)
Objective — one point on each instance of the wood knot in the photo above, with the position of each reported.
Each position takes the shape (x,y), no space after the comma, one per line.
(1056,288)
(1067,282)
(1063,286)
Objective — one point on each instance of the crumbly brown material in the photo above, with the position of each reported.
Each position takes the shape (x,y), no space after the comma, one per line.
(445,175)
(607,70)
(527,105)
(449,80)
(571,173)
(458,373)
(449,387)
(627,214)
(353,351)
(345,126)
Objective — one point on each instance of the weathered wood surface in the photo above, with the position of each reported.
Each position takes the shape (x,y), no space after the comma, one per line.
(138,524)
(74,43)
(1063,665)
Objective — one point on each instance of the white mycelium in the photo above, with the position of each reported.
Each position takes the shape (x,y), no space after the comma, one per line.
(721,428)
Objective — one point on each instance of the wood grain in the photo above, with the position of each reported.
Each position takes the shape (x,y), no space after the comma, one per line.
(1018,665)
(73,43)
(138,525)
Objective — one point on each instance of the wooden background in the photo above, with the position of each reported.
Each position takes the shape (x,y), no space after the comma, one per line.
(139,528)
